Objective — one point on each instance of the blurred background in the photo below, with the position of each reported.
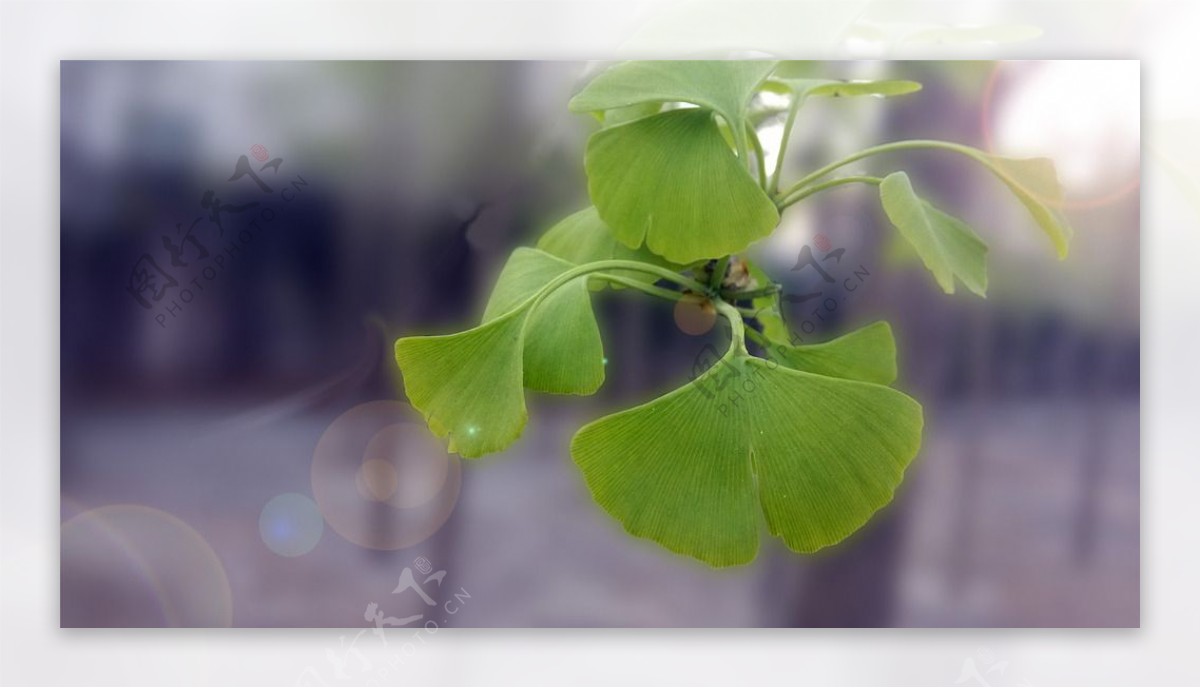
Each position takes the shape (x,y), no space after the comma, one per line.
(242,242)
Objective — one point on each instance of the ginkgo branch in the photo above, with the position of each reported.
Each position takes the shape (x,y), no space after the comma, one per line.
(875,150)
(650,289)
(752,293)
(718,274)
(804,193)
(758,155)
(793,109)
(601,266)
(737,344)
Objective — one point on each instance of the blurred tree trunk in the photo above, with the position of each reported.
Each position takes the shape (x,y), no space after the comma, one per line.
(854,584)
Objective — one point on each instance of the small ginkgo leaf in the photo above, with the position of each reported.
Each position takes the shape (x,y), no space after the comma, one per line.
(1034,182)
(867,354)
(563,350)
(563,353)
(766,308)
(584,238)
(723,86)
(671,181)
(818,454)
(523,275)
(468,385)
(844,89)
(947,246)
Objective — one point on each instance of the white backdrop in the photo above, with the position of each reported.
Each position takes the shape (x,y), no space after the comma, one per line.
(34,36)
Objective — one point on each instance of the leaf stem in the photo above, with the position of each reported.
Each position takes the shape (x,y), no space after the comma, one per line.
(875,150)
(758,156)
(794,108)
(642,286)
(603,265)
(804,193)
(739,140)
(758,337)
(718,275)
(737,326)
(751,294)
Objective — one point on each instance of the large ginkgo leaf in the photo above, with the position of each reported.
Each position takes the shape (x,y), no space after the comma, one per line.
(671,181)
(723,86)
(621,115)
(828,453)
(947,246)
(867,354)
(819,455)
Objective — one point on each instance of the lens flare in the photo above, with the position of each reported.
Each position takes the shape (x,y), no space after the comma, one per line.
(1082,114)
(128,565)
(291,525)
(381,479)
(695,315)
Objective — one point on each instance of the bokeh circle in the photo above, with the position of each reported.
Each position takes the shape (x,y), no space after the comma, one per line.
(994,96)
(381,479)
(128,565)
(695,315)
(291,525)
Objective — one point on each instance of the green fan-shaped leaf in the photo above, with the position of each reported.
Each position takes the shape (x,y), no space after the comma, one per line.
(563,353)
(843,89)
(723,86)
(671,181)
(1035,183)
(469,385)
(563,350)
(947,246)
(621,115)
(766,308)
(523,275)
(867,354)
(818,454)
(583,238)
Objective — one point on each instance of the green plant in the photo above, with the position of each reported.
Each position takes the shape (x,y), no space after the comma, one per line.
(677,177)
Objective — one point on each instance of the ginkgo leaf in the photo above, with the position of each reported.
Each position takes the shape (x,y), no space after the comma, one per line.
(469,385)
(723,86)
(819,455)
(947,246)
(867,354)
(842,89)
(563,350)
(671,181)
(523,275)
(621,115)
(1034,182)
(583,238)
(563,353)
(766,308)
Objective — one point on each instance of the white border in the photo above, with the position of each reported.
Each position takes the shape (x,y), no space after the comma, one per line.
(34,36)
